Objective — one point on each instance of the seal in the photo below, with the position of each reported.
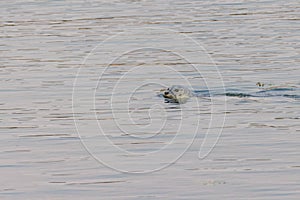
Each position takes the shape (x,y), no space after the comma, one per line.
(180,94)
(177,94)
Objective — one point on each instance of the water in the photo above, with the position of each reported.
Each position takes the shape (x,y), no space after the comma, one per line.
(53,72)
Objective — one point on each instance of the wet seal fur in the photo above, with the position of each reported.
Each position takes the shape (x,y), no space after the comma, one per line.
(177,94)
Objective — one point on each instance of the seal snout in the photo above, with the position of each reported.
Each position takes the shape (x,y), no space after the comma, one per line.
(166,92)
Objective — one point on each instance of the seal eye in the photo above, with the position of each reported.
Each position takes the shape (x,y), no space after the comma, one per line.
(176,90)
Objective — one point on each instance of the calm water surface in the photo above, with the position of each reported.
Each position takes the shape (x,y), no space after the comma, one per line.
(52,59)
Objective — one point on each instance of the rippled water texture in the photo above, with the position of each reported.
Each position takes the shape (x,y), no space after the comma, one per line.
(82,115)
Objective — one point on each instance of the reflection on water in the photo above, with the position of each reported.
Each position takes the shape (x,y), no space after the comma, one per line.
(42,46)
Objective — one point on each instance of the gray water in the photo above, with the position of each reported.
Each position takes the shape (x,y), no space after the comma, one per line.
(81,115)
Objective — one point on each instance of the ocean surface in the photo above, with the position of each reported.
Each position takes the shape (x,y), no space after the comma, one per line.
(82,115)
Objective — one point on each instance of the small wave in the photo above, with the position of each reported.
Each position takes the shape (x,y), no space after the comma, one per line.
(230,94)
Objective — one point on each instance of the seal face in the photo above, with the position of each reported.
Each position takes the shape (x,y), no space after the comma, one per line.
(177,94)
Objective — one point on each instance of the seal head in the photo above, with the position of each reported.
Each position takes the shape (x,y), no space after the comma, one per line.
(177,94)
